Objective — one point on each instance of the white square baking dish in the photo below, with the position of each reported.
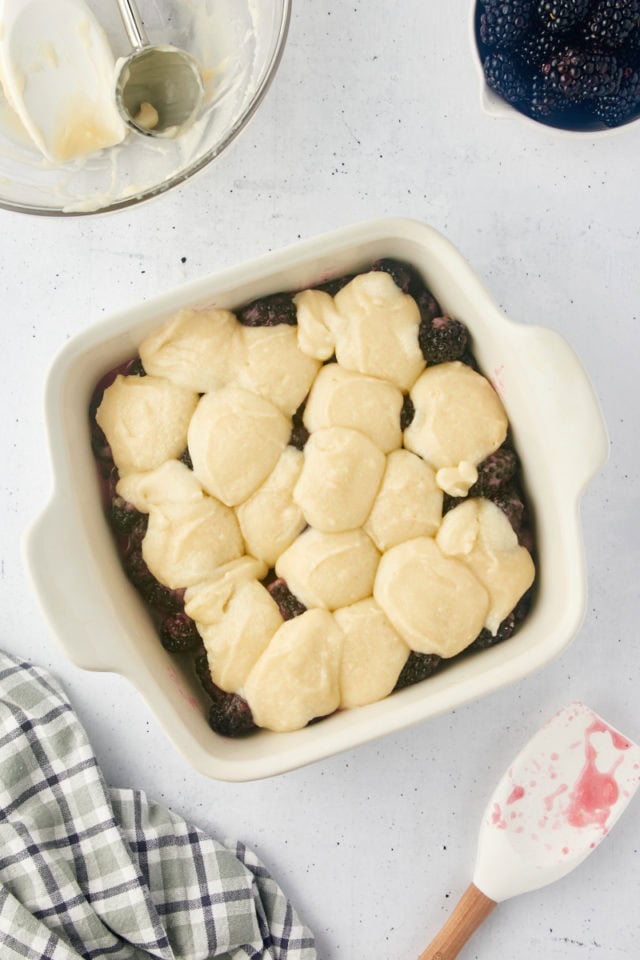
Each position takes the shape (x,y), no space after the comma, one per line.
(101,622)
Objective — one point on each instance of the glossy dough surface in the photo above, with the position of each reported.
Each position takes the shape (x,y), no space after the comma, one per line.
(353,522)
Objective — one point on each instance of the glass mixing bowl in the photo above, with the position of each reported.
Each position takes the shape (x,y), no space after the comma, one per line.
(238,43)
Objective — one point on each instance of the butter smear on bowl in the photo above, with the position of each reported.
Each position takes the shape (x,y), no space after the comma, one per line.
(57,70)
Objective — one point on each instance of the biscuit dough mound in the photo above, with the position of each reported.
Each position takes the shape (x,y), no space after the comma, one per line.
(341,398)
(145,421)
(297,678)
(201,350)
(377,333)
(340,478)
(409,502)
(436,603)
(330,570)
(458,416)
(235,440)
(479,534)
(373,654)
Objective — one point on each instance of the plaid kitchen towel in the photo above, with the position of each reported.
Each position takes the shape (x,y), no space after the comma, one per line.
(91,872)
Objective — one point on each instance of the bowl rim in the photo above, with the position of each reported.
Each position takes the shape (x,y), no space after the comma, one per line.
(376,720)
(199,165)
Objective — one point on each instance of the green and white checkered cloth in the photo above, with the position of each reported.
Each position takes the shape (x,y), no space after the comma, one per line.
(91,872)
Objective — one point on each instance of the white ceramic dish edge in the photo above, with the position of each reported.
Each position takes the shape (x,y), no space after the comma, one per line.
(99,620)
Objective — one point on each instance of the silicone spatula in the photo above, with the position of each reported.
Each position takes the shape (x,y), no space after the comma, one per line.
(556,803)
(58,73)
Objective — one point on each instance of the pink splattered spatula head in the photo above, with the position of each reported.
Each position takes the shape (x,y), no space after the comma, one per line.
(557,801)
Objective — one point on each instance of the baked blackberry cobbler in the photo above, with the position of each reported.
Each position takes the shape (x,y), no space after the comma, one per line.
(317,496)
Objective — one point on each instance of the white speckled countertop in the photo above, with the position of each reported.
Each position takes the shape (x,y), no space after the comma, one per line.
(375,111)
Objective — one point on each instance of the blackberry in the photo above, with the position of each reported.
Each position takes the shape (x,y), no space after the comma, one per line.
(288,604)
(450,503)
(418,667)
(505,22)
(299,433)
(538,48)
(494,472)
(203,673)
(136,569)
(161,597)
(269,311)
(407,413)
(154,592)
(132,547)
(442,339)
(186,459)
(123,516)
(612,21)
(508,627)
(632,43)
(229,714)
(526,538)
(506,77)
(469,361)
(403,275)
(581,74)
(334,286)
(178,633)
(427,305)
(547,102)
(486,639)
(560,16)
(511,502)
(100,447)
(613,111)
(134,368)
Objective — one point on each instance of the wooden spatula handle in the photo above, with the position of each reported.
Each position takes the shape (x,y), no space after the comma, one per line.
(472,909)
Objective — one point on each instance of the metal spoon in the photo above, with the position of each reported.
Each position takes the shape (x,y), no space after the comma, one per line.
(159,89)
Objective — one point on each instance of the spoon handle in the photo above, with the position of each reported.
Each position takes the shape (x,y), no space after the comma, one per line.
(133,24)
(472,909)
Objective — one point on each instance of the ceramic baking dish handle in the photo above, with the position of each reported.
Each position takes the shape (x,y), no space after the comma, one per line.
(56,561)
(577,442)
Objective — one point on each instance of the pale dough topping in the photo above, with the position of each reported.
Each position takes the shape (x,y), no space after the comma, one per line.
(372,656)
(377,331)
(479,533)
(435,603)
(218,530)
(458,416)
(298,676)
(341,398)
(145,421)
(207,601)
(172,482)
(409,503)
(235,440)
(329,570)
(317,318)
(275,368)
(340,478)
(198,349)
(238,639)
(270,520)
(457,481)
(187,542)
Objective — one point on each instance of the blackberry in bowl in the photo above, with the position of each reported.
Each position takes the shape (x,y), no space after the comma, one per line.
(573,65)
